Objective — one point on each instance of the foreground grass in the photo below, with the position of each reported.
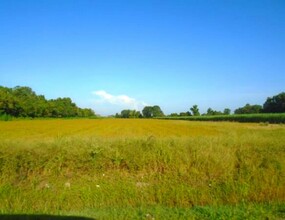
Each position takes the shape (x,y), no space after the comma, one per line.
(143,169)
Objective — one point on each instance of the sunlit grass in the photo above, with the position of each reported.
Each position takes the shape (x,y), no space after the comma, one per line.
(141,166)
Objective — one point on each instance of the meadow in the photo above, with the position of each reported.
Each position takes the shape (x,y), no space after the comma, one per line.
(142,169)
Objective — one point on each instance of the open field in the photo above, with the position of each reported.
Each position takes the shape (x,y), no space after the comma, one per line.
(143,169)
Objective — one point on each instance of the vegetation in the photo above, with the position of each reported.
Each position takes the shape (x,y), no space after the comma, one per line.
(195,110)
(127,113)
(249,109)
(24,102)
(147,112)
(152,111)
(265,118)
(210,111)
(275,104)
(248,113)
(142,169)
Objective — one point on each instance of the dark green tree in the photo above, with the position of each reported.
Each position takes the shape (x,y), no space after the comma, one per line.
(275,104)
(135,114)
(157,112)
(213,112)
(152,111)
(227,111)
(174,114)
(195,110)
(27,99)
(24,102)
(147,112)
(210,111)
(9,104)
(125,113)
(249,109)
(185,113)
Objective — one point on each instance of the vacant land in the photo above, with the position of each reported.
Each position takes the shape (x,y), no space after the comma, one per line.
(143,169)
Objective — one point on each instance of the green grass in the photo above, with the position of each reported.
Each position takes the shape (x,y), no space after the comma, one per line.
(142,169)
(5,117)
(266,118)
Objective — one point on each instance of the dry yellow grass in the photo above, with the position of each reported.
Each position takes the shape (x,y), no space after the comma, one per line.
(138,163)
(120,128)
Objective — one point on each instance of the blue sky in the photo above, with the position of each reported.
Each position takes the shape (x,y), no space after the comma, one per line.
(112,55)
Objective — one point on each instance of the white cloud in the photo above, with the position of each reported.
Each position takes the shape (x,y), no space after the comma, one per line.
(120,100)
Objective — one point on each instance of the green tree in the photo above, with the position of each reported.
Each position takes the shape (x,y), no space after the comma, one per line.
(195,110)
(184,114)
(27,99)
(249,109)
(173,114)
(275,104)
(24,102)
(85,112)
(9,104)
(227,111)
(213,112)
(152,111)
(135,114)
(125,113)
(147,112)
(210,111)
(157,112)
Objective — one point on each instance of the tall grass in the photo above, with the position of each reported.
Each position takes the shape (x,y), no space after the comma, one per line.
(131,175)
(5,117)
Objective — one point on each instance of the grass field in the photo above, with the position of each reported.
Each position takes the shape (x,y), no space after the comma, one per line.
(142,169)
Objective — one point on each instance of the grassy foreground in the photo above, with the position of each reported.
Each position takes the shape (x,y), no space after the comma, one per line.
(142,169)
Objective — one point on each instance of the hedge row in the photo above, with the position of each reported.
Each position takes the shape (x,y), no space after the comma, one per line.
(266,118)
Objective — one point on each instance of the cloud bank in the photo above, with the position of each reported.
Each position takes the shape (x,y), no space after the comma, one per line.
(120,100)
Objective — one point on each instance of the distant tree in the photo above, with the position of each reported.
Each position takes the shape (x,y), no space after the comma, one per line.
(24,102)
(9,104)
(147,112)
(86,112)
(249,109)
(27,99)
(227,111)
(275,104)
(195,110)
(157,112)
(173,115)
(210,111)
(185,114)
(152,111)
(135,114)
(125,113)
(213,112)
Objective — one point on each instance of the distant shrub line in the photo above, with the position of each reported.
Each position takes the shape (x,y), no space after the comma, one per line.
(270,118)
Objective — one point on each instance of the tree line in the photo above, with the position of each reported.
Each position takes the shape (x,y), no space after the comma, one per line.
(22,101)
(275,104)
(147,112)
